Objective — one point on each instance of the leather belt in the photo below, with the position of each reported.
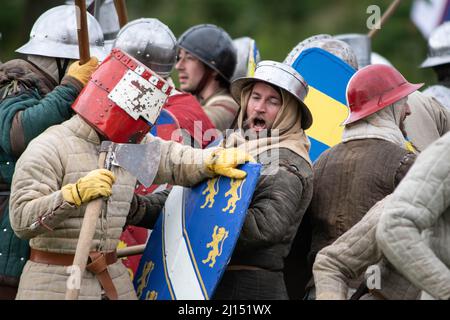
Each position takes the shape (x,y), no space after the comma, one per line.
(97,264)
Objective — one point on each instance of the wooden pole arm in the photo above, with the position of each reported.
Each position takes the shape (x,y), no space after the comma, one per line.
(82,29)
(87,232)
(121,10)
(131,251)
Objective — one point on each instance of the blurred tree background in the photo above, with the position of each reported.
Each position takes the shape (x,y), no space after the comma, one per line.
(276,25)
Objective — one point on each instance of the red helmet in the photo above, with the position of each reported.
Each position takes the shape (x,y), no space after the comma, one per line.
(373,88)
(123,98)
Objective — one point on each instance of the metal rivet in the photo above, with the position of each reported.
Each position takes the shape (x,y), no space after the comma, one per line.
(7,163)
(22,259)
(0,253)
(4,230)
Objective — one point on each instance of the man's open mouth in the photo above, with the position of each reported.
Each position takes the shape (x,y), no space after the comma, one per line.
(259,123)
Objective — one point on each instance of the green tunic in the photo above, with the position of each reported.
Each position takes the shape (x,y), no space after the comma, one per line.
(25,112)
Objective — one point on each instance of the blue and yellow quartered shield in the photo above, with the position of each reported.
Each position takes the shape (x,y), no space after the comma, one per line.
(327,77)
(194,238)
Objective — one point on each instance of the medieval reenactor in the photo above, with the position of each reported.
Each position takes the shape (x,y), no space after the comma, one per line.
(206,63)
(57,176)
(271,126)
(371,160)
(153,43)
(414,228)
(429,119)
(35,94)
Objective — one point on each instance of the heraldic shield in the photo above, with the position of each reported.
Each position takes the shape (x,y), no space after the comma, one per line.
(327,77)
(194,237)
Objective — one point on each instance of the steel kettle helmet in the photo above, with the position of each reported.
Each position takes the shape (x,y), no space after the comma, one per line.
(213,46)
(282,76)
(54,34)
(438,47)
(151,42)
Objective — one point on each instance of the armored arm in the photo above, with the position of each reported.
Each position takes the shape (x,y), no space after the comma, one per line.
(348,257)
(36,204)
(27,115)
(420,203)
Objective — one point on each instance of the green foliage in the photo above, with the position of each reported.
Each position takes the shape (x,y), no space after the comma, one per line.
(276,25)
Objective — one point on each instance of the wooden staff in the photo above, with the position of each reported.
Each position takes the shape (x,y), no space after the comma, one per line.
(87,231)
(82,28)
(394,5)
(131,251)
(121,10)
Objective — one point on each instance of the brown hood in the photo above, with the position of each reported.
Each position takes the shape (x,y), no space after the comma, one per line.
(286,131)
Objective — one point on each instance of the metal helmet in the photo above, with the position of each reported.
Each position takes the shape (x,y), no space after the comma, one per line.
(282,76)
(213,46)
(361,46)
(247,57)
(438,47)
(151,42)
(301,46)
(375,87)
(54,34)
(105,13)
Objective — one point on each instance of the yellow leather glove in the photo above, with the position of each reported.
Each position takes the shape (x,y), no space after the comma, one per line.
(84,72)
(224,162)
(97,183)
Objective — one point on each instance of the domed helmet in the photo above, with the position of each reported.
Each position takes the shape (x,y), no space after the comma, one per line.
(151,42)
(54,34)
(247,57)
(375,87)
(211,45)
(438,47)
(361,45)
(282,76)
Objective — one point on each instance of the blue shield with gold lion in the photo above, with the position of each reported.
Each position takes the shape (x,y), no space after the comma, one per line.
(194,238)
